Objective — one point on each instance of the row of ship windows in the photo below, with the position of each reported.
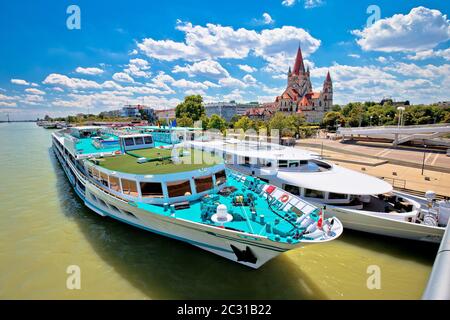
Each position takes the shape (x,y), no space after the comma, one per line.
(155,189)
(315,194)
(112,207)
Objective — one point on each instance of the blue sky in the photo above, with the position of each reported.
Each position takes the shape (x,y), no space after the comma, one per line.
(157,52)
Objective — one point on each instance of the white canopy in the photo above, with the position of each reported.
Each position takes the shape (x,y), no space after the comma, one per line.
(336,180)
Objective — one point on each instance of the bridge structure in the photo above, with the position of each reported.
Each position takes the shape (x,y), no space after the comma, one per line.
(428,134)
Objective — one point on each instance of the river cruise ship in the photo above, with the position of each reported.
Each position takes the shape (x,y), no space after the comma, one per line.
(188,195)
(361,202)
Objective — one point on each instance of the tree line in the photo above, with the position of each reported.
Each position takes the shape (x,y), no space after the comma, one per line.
(373,114)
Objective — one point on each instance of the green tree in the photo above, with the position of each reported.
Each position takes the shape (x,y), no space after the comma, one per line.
(205,121)
(244,123)
(185,122)
(332,119)
(192,107)
(217,122)
(285,126)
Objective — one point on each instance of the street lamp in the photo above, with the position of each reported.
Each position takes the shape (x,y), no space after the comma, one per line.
(423,160)
(400,115)
(370,121)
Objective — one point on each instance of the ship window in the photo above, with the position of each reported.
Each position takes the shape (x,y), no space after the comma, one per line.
(293,164)
(114,208)
(221,177)
(114,183)
(103,203)
(282,163)
(336,196)
(93,197)
(203,184)
(129,142)
(148,140)
(129,214)
(138,140)
(151,189)
(311,193)
(179,188)
(104,178)
(129,187)
(292,189)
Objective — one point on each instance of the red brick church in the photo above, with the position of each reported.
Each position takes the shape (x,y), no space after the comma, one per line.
(299,96)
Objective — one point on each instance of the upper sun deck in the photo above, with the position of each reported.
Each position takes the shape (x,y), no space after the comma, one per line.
(255,150)
(159,161)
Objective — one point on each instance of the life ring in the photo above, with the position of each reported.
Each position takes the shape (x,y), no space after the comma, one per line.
(284,198)
(117,152)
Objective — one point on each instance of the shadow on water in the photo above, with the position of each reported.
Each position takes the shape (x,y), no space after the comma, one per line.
(163,268)
(407,250)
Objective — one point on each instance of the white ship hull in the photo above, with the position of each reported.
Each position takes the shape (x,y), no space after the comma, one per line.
(364,221)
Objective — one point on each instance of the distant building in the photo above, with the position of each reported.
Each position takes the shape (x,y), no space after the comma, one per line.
(111,113)
(134,111)
(228,109)
(391,102)
(443,104)
(299,96)
(263,112)
(165,113)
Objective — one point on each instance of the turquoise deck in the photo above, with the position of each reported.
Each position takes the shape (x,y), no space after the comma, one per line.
(281,229)
(85,146)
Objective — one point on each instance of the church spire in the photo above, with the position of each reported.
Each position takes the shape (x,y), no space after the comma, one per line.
(328,79)
(299,66)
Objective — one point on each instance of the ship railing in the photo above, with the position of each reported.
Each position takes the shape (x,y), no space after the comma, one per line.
(97,185)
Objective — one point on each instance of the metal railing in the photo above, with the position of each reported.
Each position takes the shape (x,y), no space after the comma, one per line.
(438,287)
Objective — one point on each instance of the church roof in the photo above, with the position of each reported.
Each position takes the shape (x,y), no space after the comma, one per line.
(305,101)
(299,65)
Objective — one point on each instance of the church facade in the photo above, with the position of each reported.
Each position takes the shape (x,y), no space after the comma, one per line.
(299,96)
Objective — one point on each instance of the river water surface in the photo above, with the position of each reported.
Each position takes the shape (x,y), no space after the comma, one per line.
(44,228)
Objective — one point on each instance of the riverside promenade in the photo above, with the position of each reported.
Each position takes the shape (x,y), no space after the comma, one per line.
(401,166)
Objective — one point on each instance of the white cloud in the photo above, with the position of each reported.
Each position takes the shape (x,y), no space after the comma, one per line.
(232,82)
(353,55)
(209,68)
(73,83)
(138,68)
(236,94)
(288,3)
(428,54)
(20,82)
(183,83)
(249,79)
(89,71)
(267,18)
(8,104)
(308,4)
(122,77)
(401,82)
(426,71)
(419,30)
(247,68)
(34,91)
(216,41)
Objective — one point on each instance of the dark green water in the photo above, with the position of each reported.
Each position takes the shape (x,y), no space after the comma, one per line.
(44,228)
